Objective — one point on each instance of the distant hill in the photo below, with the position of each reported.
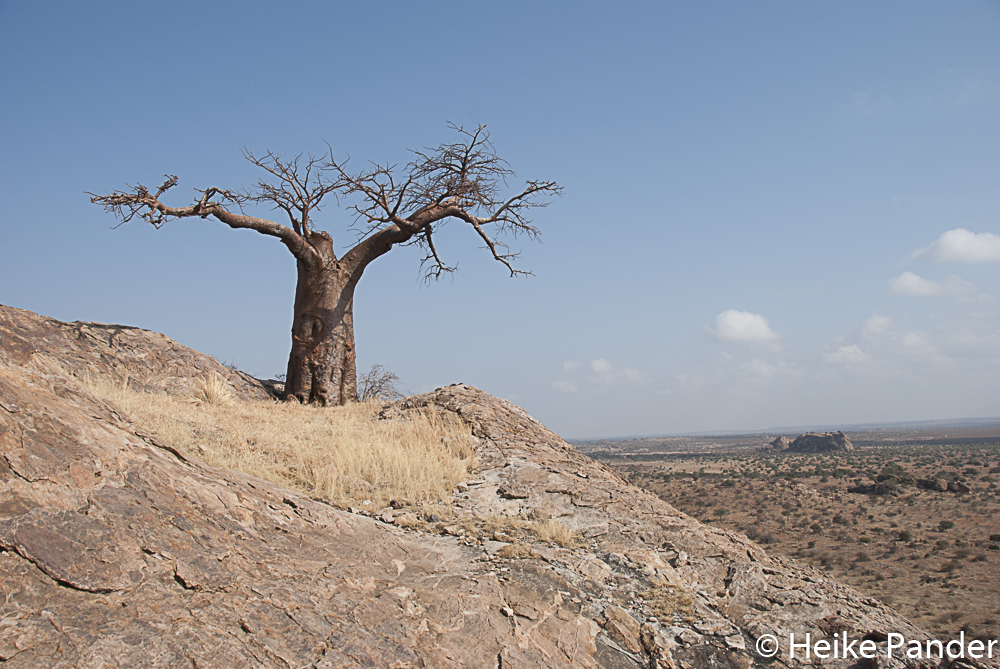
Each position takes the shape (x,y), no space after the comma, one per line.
(941,423)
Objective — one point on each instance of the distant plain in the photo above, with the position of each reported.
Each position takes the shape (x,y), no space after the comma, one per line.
(933,556)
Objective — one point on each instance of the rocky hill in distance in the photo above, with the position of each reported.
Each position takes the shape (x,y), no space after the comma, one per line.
(813,442)
(120,550)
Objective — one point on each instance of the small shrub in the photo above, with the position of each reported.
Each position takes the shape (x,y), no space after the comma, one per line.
(213,390)
(514,551)
(950,566)
(552,531)
(945,525)
(378,384)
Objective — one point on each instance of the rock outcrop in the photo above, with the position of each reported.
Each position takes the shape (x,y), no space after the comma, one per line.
(820,442)
(147,360)
(780,443)
(117,550)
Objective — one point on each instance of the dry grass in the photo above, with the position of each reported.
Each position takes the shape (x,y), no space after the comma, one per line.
(553,532)
(667,602)
(212,390)
(338,454)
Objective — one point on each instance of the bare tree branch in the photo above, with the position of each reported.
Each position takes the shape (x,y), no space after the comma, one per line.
(462,180)
(432,261)
(126,205)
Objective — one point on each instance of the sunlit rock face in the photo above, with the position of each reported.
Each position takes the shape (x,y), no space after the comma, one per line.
(118,550)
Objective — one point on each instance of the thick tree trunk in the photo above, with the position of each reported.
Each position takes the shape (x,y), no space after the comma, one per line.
(321,367)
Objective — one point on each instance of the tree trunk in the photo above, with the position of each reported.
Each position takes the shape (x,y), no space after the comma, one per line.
(322,367)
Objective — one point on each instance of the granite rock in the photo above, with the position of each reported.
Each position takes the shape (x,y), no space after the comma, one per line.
(118,550)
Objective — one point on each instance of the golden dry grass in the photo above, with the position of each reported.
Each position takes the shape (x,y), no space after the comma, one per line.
(553,532)
(666,601)
(339,454)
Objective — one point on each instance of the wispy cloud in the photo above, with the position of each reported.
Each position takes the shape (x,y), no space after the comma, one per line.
(603,374)
(847,355)
(876,325)
(758,368)
(601,366)
(742,326)
(912,284)
(608,374)
(564,386)
(961,245)
(870,105)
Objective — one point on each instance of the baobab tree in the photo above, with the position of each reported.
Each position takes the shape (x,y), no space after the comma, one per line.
(464,180)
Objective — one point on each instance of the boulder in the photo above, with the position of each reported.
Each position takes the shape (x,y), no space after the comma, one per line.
(931,484)
(958,487)
(897,478)
(879,488)
(821,442)
(780,443)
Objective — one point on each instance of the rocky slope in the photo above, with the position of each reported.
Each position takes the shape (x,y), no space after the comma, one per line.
(119,551)
(148,360)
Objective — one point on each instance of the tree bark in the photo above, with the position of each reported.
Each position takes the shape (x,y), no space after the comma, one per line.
(322,364)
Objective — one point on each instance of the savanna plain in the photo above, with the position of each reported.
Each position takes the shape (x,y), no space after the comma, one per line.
(932,555)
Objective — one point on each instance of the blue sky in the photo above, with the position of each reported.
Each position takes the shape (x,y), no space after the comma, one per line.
(774,213)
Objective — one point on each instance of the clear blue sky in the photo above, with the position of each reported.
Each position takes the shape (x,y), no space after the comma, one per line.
(774,213)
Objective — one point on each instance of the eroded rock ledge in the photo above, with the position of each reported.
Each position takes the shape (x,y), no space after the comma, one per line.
(118,551)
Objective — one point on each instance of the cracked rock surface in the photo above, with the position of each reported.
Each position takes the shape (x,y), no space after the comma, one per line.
(117,551)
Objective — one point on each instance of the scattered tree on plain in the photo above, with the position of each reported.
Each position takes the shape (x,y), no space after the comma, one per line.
(464,180)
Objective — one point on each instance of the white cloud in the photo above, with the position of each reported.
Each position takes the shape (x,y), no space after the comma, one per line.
(847,355)
(876,325)
(564,386)
(571,366)
(961,245)
(601,366)
(909,283)
(606,374)
(917,343)
(633,375)
(733,325)
(758,368)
